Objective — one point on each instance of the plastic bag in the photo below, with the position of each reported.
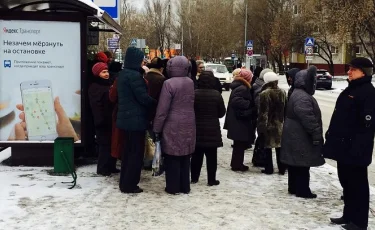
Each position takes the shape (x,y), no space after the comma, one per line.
(157,162)
(149,151)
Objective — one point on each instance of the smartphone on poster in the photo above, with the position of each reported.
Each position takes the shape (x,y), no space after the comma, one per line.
(40,115)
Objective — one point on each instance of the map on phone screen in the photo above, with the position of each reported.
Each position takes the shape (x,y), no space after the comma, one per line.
(39,111)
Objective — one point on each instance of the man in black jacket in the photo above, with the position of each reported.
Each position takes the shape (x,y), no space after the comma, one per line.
(350,141)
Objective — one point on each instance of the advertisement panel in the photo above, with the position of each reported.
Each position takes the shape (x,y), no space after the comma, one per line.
(40,81)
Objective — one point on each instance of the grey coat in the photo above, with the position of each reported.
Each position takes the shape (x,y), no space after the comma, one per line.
(303,124)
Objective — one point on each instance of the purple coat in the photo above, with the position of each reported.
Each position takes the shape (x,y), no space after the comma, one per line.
(175,117)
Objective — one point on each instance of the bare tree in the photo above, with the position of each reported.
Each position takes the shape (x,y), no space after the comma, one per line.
(158,14)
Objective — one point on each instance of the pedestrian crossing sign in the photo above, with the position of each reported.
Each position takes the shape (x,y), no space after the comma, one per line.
(133,42)
(309,42)
(249,43)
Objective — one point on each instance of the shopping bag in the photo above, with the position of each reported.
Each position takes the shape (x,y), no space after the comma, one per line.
(157,162)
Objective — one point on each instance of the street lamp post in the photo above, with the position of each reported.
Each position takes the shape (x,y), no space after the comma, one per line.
(246,2)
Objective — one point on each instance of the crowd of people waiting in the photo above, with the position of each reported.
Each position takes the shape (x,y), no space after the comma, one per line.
(179,103)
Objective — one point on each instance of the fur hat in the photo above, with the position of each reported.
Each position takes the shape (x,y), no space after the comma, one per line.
(156,63)
(261,75)
(270,76)
(102,57)
(363,64)
(178,67)
(98,68)
(246,74)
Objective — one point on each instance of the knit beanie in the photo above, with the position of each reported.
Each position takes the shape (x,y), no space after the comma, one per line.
(270,76)
(98,68)
(246,74)
(102,57)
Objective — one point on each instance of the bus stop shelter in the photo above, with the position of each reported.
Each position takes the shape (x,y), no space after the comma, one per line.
(43,75)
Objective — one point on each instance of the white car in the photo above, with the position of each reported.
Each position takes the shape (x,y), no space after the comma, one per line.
(222,73)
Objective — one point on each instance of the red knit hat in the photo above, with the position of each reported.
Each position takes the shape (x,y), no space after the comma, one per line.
(98,68)
(246,74)
(102,57)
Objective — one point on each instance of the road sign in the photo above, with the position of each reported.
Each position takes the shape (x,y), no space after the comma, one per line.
(309,50)
(113,43)
(133,42)
(250,47)
(250,43)
(112,7)
(309,42)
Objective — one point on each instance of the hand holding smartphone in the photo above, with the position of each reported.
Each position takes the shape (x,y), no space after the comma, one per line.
(40,115)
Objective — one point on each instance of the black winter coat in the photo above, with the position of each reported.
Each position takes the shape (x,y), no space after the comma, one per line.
(209,107)
(101,109)
(134,103)
(303,124)
(240,112)
(350,136)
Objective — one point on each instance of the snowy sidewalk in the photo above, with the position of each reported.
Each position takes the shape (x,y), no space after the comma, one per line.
(31,199)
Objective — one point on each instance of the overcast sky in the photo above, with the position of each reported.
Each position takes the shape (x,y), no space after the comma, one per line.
(138,3)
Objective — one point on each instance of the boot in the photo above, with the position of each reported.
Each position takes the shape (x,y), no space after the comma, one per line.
(339,221)
(352,226)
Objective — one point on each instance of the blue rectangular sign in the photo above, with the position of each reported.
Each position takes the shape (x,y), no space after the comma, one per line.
(309,42)
(112,7)
(249,43)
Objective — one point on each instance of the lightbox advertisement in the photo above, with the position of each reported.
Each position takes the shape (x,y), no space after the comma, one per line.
(40,81)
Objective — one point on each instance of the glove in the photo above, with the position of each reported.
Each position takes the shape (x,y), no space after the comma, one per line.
(157,137)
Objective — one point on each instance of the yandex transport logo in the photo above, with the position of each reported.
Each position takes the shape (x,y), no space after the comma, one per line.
(10,31)
(20,31)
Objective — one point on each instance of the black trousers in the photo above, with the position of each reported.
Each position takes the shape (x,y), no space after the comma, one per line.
(197,161)
(132,160)
(238,154)
(354,181)
(106,163)
(177,173)
(299,180)
(269,162)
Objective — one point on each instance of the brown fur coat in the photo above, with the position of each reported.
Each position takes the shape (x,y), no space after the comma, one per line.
(272,105)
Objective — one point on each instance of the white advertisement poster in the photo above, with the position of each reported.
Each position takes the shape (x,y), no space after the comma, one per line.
(40,81)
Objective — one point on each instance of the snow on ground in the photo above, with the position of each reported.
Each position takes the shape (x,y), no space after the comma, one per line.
(32,199)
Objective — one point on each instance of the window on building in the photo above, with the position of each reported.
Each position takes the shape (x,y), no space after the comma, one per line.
(358,49)
(316,49)
(316,28)
(295,9)
(334,49)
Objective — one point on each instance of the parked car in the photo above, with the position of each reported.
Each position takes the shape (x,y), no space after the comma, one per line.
(221,72)
(323,79)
